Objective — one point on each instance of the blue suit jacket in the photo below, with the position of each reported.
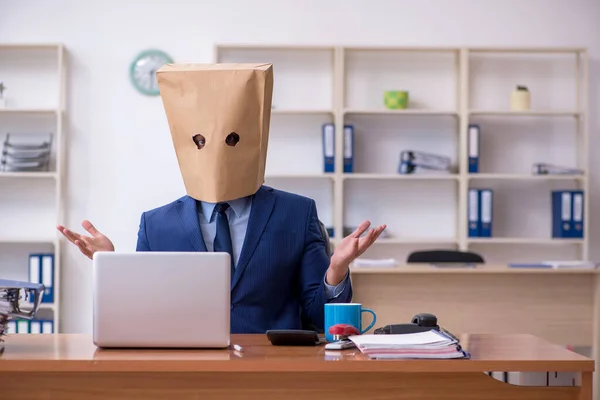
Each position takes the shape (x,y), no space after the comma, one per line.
(280,274)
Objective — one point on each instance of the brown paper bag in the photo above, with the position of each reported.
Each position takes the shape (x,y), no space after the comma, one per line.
(219,116)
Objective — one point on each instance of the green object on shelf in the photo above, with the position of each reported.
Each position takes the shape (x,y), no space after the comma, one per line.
(396,99)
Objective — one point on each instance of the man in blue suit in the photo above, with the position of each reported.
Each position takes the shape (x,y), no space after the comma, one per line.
(281,273)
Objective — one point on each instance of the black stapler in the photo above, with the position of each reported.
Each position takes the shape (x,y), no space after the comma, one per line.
(420,323)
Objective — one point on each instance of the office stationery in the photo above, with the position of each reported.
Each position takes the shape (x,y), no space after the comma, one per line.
(487,212)
(395,99)
(14,295)
(473,145)
(293,337)
(430,344)
(161,299)
(328,131)
(425,160)
(474,212)
(561,214)
(577,203)
(374,263)
(346,313)
(26,154)
(556,265)
(551,169)
(348,148)
(406,168)
(237,347)
(340,345)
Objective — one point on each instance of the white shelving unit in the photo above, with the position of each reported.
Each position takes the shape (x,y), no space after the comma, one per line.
(449,88)
(32,203)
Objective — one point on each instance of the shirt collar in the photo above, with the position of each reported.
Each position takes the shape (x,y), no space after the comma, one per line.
(238,206)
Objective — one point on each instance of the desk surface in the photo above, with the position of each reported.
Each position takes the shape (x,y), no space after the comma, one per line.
(65,352)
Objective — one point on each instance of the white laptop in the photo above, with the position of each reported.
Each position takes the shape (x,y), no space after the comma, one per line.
(161,299)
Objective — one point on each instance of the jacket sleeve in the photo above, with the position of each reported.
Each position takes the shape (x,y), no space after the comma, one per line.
(313,269)
(142,241)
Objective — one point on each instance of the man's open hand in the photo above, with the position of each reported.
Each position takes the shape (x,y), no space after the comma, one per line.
(351,247)
(88,245)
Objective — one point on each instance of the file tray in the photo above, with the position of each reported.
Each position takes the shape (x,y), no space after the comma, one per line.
(14,295)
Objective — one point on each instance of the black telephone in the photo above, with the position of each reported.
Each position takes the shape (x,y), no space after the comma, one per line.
(420,323)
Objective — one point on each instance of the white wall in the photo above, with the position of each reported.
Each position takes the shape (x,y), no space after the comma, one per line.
(120,160)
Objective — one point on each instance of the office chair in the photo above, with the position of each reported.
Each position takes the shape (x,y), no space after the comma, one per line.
(306,324)
(444,256)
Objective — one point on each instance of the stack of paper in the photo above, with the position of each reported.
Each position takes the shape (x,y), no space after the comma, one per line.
(431,344)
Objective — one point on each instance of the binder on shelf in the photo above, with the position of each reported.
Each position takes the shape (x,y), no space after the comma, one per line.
(348,148)
(561,213)
(551,169)
(22,326)
(329,147)
(41,326)
(473,141)
(11,327)
(47,326)
(41,270)
(473,212)
(577,213)
(486,201)
(426,161)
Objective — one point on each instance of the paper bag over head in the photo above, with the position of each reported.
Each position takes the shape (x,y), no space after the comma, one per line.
(219,116)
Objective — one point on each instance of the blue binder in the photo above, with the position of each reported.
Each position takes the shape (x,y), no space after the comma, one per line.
(41,270)
(577,212)
(473,140)
(329,147)
(348,148)
(561,214)
(473,212)
(486,217)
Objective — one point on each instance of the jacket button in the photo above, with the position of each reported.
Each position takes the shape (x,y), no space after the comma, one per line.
(232,306)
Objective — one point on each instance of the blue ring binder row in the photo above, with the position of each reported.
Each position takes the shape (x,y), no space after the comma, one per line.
(41,270)
(328,131)
(480,212)
(568,213)
(25,156)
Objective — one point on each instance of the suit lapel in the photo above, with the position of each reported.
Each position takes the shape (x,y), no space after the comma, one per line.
(262,206)
(188,214)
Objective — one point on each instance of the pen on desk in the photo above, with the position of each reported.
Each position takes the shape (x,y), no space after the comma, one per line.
(237,347)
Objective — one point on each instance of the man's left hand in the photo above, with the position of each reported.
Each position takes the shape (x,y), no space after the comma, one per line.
(351,247)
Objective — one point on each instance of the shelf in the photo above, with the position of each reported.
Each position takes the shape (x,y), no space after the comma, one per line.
(542,241)
(29,111)
(539,50)
(25,240)
(280,111)
(448,113)
(482,269)
(525,177)
(531,113)
(431,176)
(300,176)
(29,175)
(407,240)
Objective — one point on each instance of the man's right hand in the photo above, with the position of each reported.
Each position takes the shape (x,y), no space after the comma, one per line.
(88,245)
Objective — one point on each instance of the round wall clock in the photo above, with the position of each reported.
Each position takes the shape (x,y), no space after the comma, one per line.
(142,71)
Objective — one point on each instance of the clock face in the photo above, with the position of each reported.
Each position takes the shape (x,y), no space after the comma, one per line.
(143,71)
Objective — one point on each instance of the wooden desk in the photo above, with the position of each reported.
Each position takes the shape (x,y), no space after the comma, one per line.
(71,367)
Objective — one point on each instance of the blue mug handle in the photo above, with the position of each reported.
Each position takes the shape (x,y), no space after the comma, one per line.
(372,322)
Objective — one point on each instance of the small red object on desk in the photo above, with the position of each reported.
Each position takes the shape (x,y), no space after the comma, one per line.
(343,331)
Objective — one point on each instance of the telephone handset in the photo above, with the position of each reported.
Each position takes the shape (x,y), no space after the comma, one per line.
(420,323)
